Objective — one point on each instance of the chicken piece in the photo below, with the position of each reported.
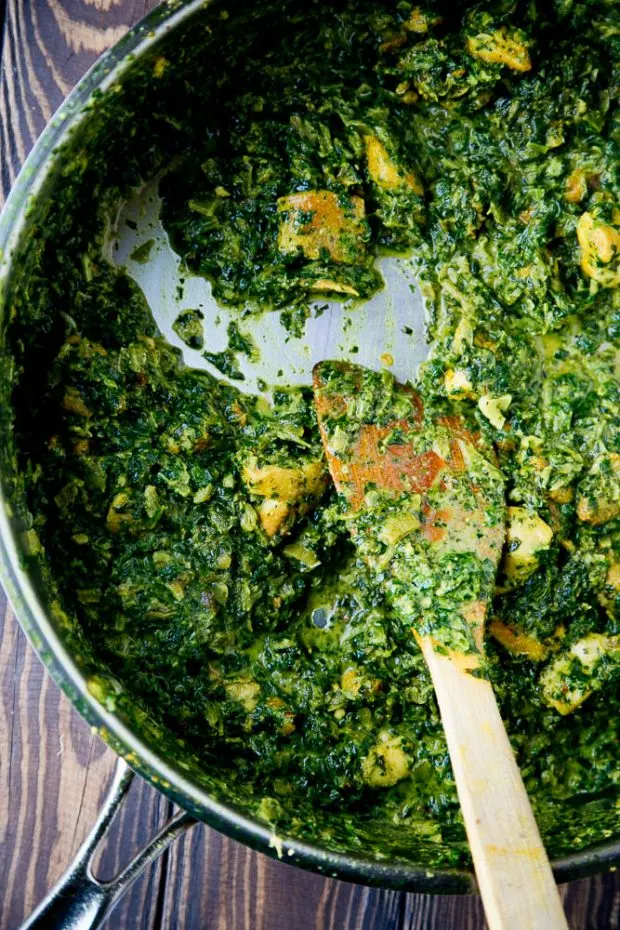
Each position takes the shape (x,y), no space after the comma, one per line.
(386,763)
(600,250)
(526,536)
(457,384)
(385,172)
(286,492)
(117,516)
(463,336)
(576,186)
(518,642)
(392,42)
(572,676)
(321,222)
(500,47)
(420,21)
(324,285)
(73,403)
(243,690)
(304,555)
(288,717)
(562,495)
(353,682)
(493,408)
(599,501)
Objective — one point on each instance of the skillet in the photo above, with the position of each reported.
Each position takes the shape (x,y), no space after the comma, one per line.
(78,126)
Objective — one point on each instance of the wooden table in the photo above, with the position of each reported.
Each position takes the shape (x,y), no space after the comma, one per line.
(53,770)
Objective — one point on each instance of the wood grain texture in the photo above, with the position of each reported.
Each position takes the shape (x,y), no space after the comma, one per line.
(503,836)
(47,45)
(53,770)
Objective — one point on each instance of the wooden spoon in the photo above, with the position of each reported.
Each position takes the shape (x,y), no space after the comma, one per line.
(425,504)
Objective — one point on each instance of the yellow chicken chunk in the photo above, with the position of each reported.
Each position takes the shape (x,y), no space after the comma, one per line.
(315,222)
(600,250)
(601,502)
(526,536)
(287,492)
(517,642)
(245,691)
(500,48)
(463,336)
(576,186)
(420,21)
(353,682)
(574,675)
(385,172)
(493,408)
(457,383)
(115,518)
(323,285)
(73,402)
(386,763)
(561,495)
(302,554)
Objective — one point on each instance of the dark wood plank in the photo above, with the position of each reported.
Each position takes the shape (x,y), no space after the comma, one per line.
(592,904)
(47,45)
(53,770)
(53,774)
(213,882)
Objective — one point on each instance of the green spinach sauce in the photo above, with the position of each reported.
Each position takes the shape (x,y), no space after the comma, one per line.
(198,555)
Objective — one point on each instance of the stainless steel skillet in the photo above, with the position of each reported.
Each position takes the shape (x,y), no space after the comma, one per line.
(82,902)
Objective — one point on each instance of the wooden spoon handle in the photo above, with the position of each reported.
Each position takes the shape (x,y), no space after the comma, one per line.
(512,869)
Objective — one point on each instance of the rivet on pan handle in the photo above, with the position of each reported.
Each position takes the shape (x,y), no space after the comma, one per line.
(79,901)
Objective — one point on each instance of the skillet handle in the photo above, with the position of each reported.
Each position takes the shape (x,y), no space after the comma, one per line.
(79,901)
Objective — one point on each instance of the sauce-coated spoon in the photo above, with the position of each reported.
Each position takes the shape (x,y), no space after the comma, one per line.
(425,505)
